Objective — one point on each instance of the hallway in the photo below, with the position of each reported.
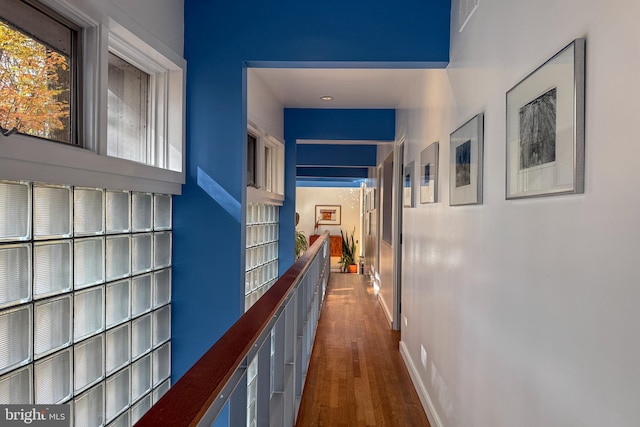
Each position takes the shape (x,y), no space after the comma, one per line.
(356,374)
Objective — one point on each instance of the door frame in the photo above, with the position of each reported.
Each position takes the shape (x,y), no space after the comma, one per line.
(398,173)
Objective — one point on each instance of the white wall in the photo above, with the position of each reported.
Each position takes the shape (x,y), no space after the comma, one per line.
(158,23)
(528,309)
(263,108)
(348,198)
(164,19)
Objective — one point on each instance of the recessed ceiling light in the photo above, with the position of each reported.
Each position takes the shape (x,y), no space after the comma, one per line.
(327,98)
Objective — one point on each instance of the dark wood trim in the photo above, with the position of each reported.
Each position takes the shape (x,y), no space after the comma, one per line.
(188,400)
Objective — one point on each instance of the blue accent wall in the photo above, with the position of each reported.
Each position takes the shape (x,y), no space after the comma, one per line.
(344,124)
(221,37)
(331,172)
(336,155)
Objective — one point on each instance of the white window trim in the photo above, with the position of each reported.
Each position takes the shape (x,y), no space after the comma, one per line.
(26,158)
(166,78)
(259,194)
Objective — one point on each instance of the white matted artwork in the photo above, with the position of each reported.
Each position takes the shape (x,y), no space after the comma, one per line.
(429,174)
(465,168)
(328,214)
(545,128)
(407,186)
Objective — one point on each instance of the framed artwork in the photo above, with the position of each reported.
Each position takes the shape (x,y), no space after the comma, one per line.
(407,187)
(465,169)
(545,128)
(429,174)
(328,214)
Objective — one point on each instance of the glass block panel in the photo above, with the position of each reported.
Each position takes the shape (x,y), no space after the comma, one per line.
(117,394)
(121,421)
(161,364)
(89,262)
(118,348)
(161,390)
(140,408)
(141,336)
(51,211)
(118,217)
(15,211)
(15,336)
(15,274)
(141,212)
(117,257)
(52,327)
(88,362)
(140,378)
(89,408)
(15,388)
(161,287)
(249,213)
(118,304)
(162,249)
(142,253)
(88,313)
(140,295)
(161,325)
(162,212)
(52,268)
(53,378)
(88,215)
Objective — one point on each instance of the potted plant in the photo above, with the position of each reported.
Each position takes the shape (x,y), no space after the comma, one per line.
(301,243)
(348,261)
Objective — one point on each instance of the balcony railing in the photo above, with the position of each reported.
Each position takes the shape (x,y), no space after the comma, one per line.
(257,369)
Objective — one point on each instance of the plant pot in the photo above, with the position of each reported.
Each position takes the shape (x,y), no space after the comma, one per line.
(353,268)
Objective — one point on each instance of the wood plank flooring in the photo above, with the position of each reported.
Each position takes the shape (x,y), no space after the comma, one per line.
(356,375)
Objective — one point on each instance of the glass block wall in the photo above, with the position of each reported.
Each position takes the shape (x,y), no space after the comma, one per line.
(85,293)
(262,251)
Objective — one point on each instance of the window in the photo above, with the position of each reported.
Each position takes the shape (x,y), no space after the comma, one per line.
(144,104)
(127,103)
(268,169)
(71,74)
(39,57)
(252,143)
(265,167)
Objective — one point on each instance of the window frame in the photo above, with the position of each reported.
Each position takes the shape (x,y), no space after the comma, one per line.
(252,160)
(16,18)
(23,157)
(261,193)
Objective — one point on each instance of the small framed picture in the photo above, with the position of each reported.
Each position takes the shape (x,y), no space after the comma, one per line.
(465,169)
(407,186)
(328,214)
(429,174)
(545,128)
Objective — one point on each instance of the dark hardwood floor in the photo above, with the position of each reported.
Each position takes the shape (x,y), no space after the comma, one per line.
(356,374)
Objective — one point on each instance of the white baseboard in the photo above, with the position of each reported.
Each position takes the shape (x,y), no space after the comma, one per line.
(425,399)
(386,311)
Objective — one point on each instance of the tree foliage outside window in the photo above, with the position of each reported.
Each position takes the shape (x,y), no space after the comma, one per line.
(34,87)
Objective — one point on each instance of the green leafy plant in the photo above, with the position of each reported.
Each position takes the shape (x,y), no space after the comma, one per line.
(301,244)
(348,250)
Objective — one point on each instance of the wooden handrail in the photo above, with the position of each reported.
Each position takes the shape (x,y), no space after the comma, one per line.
(187,401)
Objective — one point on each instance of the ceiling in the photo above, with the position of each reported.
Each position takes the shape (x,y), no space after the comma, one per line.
(350,88)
